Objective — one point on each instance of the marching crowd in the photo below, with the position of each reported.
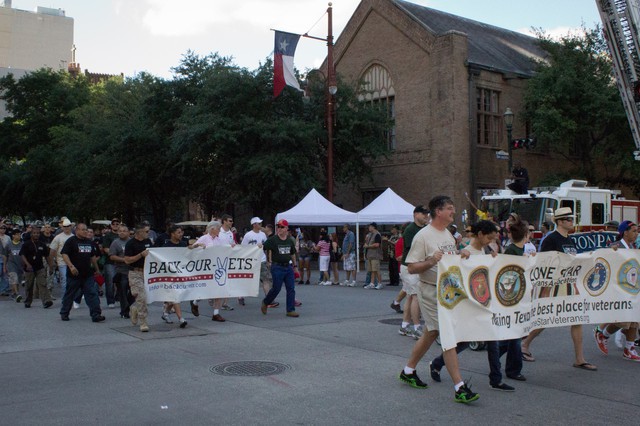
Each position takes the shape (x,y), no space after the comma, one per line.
(111,264)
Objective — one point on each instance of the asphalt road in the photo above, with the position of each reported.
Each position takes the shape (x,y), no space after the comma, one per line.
(340,363)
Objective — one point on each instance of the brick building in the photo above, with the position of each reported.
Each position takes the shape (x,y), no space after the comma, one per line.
(447,81)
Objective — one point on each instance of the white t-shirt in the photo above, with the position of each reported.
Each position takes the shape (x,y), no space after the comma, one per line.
(529,249)
(57,244)
(426,242)
(227,237)
(255,238)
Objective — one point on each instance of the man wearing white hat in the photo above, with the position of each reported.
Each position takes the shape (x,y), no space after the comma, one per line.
(559,241)
(56,247)
(257,237)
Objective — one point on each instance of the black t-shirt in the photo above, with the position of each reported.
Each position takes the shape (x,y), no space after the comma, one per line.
(281,250)
(35,252)
(107,240)
(80,252)
(135,247)
(556,242)
(169,243)
(162,239)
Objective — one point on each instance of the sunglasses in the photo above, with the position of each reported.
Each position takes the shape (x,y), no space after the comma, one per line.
(280,226)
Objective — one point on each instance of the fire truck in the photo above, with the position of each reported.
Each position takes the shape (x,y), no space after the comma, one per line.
(593,206)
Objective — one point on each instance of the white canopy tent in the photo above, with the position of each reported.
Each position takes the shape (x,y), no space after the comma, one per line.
(315,210)
(387,208)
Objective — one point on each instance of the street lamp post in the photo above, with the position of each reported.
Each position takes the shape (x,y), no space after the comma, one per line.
(508,121)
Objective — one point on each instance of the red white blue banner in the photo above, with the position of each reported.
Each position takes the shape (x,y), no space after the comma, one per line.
(283,51)
(175,274)
(484,298)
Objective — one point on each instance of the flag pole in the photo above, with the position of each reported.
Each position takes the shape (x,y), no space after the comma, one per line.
(332,89)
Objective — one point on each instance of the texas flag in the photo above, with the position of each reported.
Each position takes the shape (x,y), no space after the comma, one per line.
(283,51)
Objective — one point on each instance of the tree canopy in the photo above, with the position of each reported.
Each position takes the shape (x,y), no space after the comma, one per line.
(574,109)
(142,147)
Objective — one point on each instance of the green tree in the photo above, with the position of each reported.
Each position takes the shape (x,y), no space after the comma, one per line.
(575,110)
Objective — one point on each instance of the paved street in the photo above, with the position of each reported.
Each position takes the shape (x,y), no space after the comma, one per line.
(341,365)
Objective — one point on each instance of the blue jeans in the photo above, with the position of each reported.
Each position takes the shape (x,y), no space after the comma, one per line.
(438,361)
(124,293)
(280,275)
(514,359)
(4,282)
(86,286)
(109,273)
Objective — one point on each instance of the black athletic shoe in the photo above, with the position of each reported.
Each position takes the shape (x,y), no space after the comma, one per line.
(435,374)
(99,318)
(48,304)
(503,387)
(64,317)
(465,395)
(518,377)
(412,380)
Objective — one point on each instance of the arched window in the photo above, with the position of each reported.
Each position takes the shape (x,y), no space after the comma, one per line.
(378,88)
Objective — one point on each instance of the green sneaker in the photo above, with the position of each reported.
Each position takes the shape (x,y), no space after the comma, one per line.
(465,395)
(412,380)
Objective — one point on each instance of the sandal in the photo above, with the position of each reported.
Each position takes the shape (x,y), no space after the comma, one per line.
(526,356)
(586,366)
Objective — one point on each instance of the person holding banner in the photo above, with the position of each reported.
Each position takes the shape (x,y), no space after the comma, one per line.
(628,232)
(135,251)
(211,238)
(428,247)
(559,241)
(175,240)
(281,259)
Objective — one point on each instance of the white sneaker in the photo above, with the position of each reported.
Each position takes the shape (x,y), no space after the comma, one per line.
(353,283)
(344,283)
(328,283)
(379,287)
(166,317)
(111,305)
(369,286)
(76,305)
(620,339)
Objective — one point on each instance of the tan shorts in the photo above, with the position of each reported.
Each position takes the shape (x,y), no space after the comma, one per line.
(410,282)
(373,265)
(13,278)
(428,298)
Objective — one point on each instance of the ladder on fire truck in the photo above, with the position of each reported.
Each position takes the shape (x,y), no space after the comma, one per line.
(620,19)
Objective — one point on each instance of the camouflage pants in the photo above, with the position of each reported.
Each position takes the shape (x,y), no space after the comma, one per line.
(136,283)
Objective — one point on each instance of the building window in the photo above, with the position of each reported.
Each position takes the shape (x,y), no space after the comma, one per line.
(378,88)
(489,117)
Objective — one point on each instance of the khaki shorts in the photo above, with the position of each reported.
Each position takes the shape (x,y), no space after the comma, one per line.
(13,278)
(410,282)
(428,299)
(265,277)
(373,265)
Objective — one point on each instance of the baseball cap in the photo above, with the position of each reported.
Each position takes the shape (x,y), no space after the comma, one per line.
(282,222)
(255,220)
(624,226)
(421,209)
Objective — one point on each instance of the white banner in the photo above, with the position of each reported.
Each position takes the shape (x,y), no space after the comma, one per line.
(484,298)
(175,274)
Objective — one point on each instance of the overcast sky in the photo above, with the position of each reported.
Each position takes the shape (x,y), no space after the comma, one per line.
(129,36)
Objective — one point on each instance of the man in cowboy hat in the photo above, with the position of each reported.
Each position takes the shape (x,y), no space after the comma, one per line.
(559,241)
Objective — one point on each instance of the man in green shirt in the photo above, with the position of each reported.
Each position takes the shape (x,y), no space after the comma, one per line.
(281,259)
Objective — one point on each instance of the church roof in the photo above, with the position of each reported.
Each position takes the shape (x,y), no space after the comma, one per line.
(490,47)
